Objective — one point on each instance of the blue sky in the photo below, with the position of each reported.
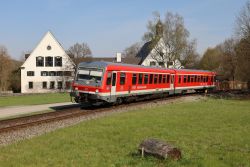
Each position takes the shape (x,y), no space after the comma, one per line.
(112,25)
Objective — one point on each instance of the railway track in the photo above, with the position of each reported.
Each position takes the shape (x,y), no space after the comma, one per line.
(33,120)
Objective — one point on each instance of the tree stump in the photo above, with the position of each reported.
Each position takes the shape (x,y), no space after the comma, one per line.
(159,149)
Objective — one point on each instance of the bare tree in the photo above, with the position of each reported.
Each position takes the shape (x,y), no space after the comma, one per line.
(228,59)
(190,58)
(79,51)
(174,38)
(130,53)
(243,21)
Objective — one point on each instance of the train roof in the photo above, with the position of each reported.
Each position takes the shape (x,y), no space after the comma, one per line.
(103,64)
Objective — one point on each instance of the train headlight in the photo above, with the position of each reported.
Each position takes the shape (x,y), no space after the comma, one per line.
(76,88)
(96,91)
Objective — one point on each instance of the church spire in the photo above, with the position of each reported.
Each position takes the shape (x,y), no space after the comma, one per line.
(159,29)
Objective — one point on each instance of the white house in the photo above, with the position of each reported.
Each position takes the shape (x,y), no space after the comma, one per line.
(47,69)
(149,54)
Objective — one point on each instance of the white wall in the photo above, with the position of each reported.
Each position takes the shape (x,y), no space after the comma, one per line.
(30,65)
(151,56)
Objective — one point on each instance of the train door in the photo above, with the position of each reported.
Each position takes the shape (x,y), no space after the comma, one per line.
(113,85)
(172,81)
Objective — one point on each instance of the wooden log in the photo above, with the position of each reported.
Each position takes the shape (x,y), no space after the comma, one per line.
(159,149)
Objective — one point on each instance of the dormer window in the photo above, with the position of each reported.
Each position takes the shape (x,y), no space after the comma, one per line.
(49,61)
(58,61)
(39,61)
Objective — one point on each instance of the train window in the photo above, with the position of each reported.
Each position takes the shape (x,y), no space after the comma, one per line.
(188,78)
(172,79)
(122,78)
(168,76)
(191,78)
(212,79)
(160,78)
(113,79)
(155,78)
(195,78)
(134,79)
(164,78)
(201,78)
(108,82)
(179,78)
(140,78)
(151,79)
(185,79)
(145,78)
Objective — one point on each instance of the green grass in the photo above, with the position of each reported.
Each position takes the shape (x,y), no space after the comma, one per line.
(34,99)
(209,133)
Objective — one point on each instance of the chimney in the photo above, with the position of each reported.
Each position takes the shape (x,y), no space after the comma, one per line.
(26,55)
(118,57)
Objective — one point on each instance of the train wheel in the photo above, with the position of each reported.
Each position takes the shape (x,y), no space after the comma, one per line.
(119,101)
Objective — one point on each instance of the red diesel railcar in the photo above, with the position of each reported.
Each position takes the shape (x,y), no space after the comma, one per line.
(113,82)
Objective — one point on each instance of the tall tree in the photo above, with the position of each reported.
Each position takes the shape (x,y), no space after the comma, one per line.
(79,51)
(243,60)
(243,22)
(190,58)
(130,53)
(5,69)
(211,59)
(242,48)
(174,36)
(228,59)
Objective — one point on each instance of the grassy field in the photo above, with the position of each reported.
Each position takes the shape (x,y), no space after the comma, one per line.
(34,99)
(209,133)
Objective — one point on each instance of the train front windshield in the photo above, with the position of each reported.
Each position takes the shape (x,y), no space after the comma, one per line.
(90,76)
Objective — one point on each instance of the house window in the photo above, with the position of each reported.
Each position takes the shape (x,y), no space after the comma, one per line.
(161,64)
(152,63)
(59,85)
(48,47)
(170,63)
(40,61)
(58,61)
(52,84)
(44,73)
(44,85)
(52,73)
(59,73)
(30,73)
(122,78)
(49,61)
(30,85)
(67,73)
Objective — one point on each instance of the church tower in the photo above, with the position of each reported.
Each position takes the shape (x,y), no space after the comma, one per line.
(159,29)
